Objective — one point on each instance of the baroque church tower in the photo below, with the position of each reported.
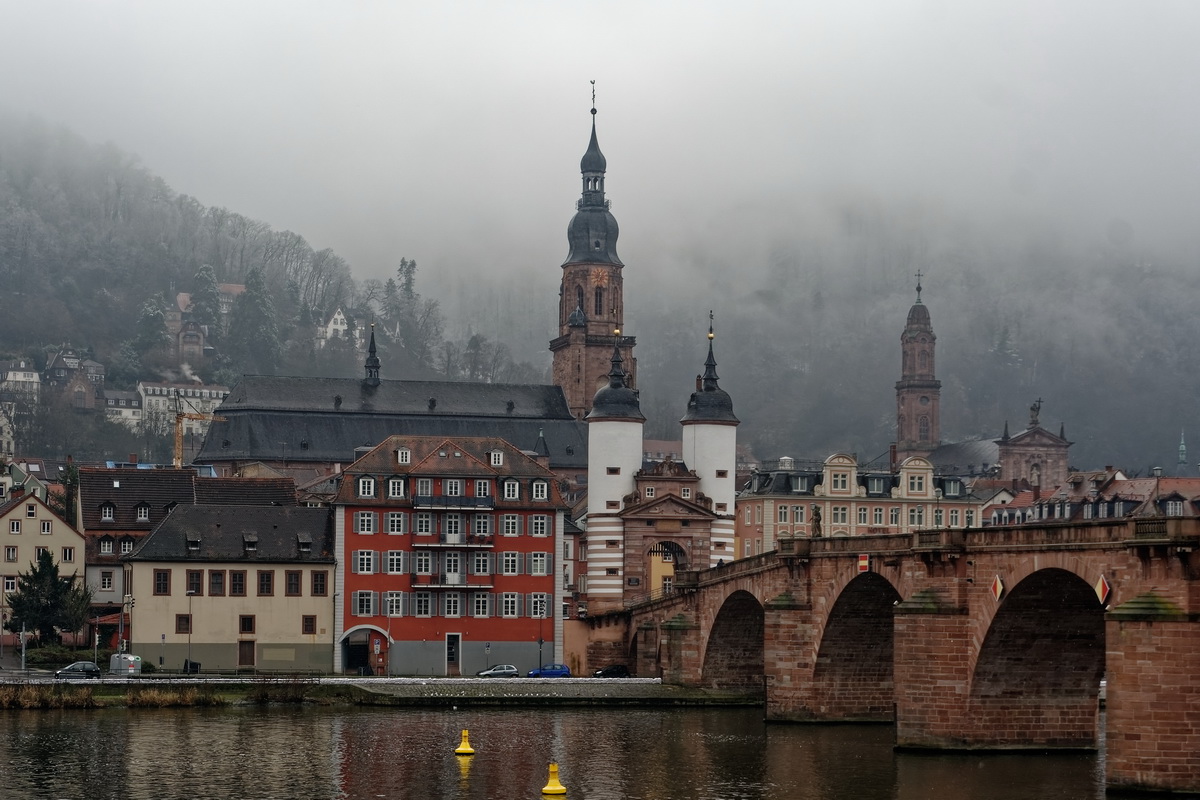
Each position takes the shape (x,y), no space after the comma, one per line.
(591,304)
(918,392)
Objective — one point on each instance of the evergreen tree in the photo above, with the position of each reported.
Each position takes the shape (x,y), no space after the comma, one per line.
(253,338)
(151,328)
(206,302)
(47,603)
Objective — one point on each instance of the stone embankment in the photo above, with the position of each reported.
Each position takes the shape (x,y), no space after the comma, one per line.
(536,691)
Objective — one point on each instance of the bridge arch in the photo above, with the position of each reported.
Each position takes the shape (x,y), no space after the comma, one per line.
(1040,663)
(733,654)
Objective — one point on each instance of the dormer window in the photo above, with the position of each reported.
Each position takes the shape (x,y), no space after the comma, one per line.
(106,546)
(193,542)
(250,542)
(126,546)
(953,488)
(497,458)
(512,490)
(875,485)
(841,481)
(540,490)
(108,512)
(403,456)
(143,513)
(366,487)
(304,542)
(395,487)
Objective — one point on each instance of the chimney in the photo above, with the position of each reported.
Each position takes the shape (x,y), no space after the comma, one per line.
(892,455)
(699,383)
(133,458)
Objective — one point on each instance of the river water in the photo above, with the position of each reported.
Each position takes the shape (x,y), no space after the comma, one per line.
(407,754)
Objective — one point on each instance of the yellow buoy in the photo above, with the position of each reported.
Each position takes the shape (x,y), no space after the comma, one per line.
(464,748)
(552,785)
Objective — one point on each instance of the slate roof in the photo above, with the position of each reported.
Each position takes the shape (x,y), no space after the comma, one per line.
(222,533)
(302,420)
(965,458)
(246,491)
(126,490)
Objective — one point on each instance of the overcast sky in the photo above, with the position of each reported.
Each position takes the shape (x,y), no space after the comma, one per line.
(451,132)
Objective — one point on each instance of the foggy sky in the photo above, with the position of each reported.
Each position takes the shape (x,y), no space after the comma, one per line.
(451,132)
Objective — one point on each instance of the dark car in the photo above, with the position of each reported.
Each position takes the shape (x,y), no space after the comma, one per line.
(80,669)
(499,671)
(551,671)
(612,671)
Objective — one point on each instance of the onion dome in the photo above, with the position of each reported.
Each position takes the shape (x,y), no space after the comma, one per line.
(616,401)
(592,232)
(709,403)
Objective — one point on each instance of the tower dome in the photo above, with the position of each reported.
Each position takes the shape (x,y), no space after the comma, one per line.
(709,403)
(616,401)
(592,232)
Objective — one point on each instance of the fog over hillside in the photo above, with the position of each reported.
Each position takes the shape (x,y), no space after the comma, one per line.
(790,166)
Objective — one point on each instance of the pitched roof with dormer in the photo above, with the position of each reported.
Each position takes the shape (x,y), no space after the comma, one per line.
(291,534)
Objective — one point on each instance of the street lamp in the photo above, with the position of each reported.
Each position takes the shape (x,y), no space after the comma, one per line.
(191,624)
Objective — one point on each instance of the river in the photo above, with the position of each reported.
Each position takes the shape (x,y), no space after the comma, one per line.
(408,754)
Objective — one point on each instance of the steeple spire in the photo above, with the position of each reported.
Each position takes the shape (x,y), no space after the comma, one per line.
(709,403)
(372,364)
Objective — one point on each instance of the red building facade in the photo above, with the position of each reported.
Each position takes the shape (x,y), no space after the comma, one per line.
(449,558)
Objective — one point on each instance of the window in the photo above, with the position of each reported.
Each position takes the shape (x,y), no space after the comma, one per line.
(424,486)
(482,525)
(14,526)
(364,562)
(216,582)
(953,488)
(481,604)
(452,487)
(423,562)
(393,604)
(395,562)
(537,525)
(483,488)
(143,513)
(686,493)
(758,509)
(722,473)
(362,603)
(291,582)
(877,515)
(649,492)
(512,490)
(422,604)
(541,490)
(397,522)
(237,583)
(424,523)
(937,518)
(798,514)
(320,583)
(539,563)
(916,515)
(106,581)
(497,458)
(954,517)
(366,487)
(482,563)
(970,518)
(106,546)
(916,484)
(403,456)
(1174,508)
(195,581)
(613,470)
(610,571)
(875,485)
(126,546)
(539,605)
(862,515)
(183,623)
(10,553)
(30,510)
(893,516)
(364,521)
(452,525)
(452,604)
(781,515)
(47,526)
(10,584)
(510,563)
(162,581)
(266,582)
(841,480)
(512,525)
(395,487)
(246,624)
(308,625)
(509,606)
(841,515)
(37,552)
(107,512)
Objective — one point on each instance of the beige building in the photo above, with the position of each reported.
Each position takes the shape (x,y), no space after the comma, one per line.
(235,587)
(28,526)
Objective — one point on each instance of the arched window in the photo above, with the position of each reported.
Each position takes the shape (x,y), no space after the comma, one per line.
(900,429)
(923,428)
(924,361)
(579,297)
(599,302)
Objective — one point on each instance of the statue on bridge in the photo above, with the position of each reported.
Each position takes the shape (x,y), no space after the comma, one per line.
(816,520)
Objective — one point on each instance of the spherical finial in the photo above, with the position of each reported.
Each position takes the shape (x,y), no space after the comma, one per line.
(616,331)
(711,335)
(593,112)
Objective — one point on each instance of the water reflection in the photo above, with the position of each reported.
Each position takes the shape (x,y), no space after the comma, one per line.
(409,755)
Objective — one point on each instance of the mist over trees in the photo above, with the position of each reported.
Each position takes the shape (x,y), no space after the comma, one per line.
(809,307)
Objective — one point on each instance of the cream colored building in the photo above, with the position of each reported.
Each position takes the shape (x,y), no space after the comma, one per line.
(28,526)
(235,587)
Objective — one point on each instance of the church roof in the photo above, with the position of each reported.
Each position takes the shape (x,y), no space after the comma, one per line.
(964,458)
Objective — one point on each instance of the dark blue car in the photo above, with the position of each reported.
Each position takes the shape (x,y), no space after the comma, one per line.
(551,671)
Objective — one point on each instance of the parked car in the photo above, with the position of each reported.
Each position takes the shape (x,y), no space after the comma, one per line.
(612,671)
(80,669)
(499,671)
(551,671)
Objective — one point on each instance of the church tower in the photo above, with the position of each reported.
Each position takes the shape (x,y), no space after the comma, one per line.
(591,302)
(918,392)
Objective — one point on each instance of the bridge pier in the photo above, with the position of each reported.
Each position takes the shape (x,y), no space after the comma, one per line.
(670,649)
(1153,700)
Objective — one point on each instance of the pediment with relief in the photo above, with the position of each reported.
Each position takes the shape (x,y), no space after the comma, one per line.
(667,507)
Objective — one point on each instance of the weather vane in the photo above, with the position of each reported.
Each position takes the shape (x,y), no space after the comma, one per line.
(710,324)
(593,97)
(918,285)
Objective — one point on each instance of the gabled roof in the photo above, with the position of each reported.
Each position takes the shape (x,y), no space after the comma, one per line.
(127,489)
(220,534)
(1034,436)
(667,507)
(246,491)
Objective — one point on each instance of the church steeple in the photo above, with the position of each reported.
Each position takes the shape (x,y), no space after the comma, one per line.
(591,303)
(918,392)
(372,364)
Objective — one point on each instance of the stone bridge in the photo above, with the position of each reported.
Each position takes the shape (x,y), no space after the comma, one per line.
(993,638)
